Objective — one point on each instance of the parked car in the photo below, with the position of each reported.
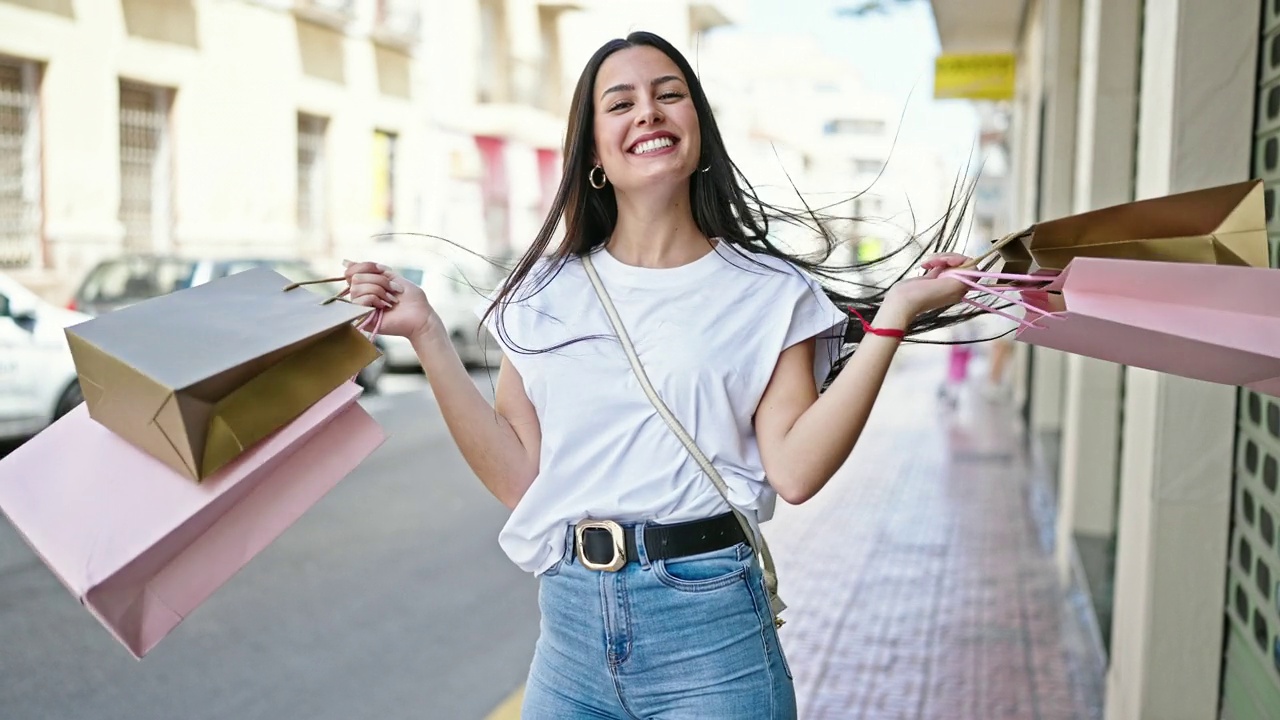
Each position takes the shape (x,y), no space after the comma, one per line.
(124,280)
(37,376)
(454,294)
(128,279)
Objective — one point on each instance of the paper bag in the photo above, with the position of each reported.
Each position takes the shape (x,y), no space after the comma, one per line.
(1220,226)
(141,547)
(196,377)
(1218,323)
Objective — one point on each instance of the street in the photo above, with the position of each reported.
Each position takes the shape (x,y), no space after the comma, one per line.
(389,599)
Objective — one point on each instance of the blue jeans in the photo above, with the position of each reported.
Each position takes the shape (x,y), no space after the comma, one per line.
(686,638)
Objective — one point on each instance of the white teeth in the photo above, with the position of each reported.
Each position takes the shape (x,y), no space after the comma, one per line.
(651,145)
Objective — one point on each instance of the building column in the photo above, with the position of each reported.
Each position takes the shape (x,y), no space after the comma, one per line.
(1047,368)
(1090,460)
(1024,186)
(1195,131)
(1103,176)
(1061,33)
(1061,88)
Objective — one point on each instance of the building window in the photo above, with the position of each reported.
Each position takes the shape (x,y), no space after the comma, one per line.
(549,94)
(398,22)
(384,179)
(19,164)
(854,126)
(495,64)
(312,205)
(867,167)
(867,207)
(145,172)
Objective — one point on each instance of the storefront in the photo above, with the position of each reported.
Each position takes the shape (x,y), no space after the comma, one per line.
(1167,494)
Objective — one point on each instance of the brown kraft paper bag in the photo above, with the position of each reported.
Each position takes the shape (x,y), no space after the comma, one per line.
(1217,226)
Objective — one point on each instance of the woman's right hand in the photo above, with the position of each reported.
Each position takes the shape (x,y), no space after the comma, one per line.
(405,310)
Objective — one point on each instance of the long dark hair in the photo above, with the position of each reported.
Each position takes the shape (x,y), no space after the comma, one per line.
(724,205)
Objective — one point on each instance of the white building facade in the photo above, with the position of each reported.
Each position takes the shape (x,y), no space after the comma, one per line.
(319,129)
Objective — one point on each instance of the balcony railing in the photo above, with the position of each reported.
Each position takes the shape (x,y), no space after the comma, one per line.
(398,23)
(334,13)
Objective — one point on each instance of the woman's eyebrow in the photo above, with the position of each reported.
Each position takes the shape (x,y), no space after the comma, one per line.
(628,87)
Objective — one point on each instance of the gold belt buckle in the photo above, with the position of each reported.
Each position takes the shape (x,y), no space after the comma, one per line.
(619,544)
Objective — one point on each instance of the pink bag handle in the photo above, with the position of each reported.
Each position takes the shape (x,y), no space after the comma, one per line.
(1007,293)
(376,318)
(1022,322)
(1013,277)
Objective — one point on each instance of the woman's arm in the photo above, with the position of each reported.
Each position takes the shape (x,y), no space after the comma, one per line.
(805,438)
(501,442)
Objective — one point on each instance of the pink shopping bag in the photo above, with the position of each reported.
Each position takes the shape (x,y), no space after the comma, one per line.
(1219,323)
(139,544)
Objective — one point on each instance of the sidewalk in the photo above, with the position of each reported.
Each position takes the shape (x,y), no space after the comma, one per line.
(921,581)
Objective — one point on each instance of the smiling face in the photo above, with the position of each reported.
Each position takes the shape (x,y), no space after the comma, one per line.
(646,126)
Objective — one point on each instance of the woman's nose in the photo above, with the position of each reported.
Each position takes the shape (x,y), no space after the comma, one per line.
(649,115)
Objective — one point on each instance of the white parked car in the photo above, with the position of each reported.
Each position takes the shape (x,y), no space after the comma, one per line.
(37,376)
(455,297)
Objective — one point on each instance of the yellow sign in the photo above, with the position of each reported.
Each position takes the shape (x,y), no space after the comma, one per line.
(383,177)
(974,77)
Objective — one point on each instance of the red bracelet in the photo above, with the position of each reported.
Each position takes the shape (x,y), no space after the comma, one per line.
(882,332)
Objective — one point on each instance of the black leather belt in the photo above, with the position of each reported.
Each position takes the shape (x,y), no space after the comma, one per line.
(607,545)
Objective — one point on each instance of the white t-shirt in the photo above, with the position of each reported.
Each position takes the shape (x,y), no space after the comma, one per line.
(708,334)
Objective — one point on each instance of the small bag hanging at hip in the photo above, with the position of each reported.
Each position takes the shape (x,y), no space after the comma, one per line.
(776,606)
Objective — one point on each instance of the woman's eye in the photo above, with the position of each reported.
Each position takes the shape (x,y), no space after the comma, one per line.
(671,96)
(620,105)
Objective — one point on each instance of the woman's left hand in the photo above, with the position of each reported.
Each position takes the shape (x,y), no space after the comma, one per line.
(929,291)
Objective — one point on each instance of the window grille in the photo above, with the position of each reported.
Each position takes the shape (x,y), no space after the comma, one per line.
(19,165)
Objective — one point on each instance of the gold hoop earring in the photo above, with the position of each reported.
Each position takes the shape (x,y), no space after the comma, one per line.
(591,178)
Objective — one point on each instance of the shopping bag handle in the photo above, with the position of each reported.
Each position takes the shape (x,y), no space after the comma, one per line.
(1008,293)
(1021,322)
(375,316)
(340,296)
(1032,280)
(995,247)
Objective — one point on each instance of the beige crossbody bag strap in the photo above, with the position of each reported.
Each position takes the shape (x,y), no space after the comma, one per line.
(776,605)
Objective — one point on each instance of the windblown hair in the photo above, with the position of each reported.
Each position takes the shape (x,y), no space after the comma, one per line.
(724,205)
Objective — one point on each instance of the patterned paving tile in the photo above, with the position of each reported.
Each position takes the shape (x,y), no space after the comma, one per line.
(918,583)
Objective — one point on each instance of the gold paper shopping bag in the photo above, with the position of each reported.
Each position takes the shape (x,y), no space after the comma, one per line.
(1217,226)
(196,377)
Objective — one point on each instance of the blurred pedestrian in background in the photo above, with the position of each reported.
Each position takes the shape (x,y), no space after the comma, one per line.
(959,355)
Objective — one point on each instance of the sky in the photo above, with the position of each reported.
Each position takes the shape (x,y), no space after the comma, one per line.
(894,53)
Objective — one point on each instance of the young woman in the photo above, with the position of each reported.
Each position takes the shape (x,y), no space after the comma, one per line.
(653,603)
